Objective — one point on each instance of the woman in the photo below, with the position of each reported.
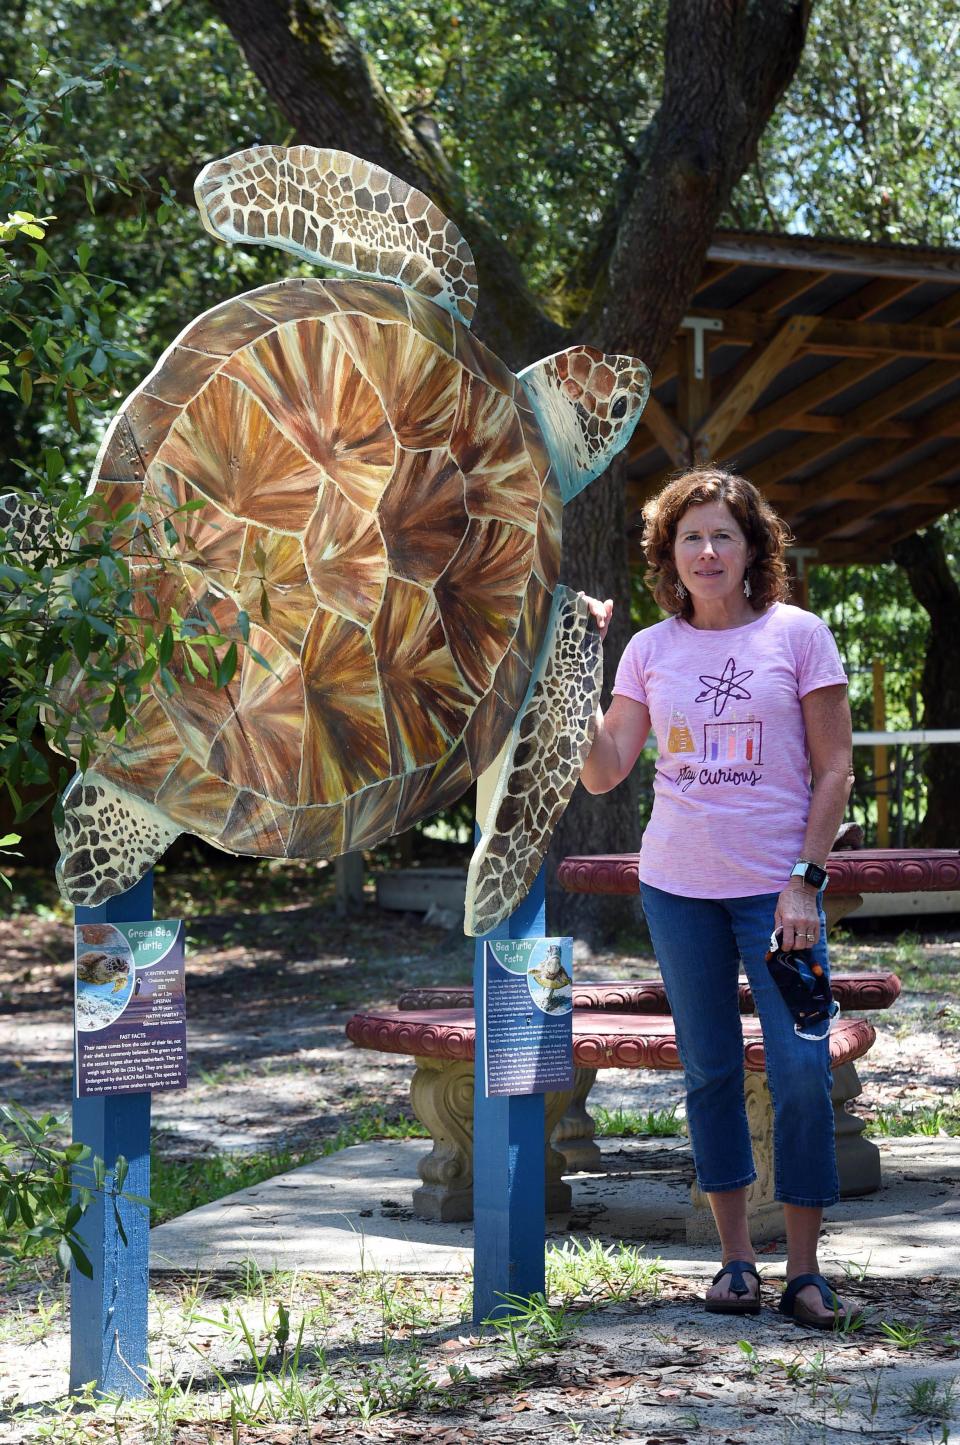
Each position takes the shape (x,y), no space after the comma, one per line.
(747,697)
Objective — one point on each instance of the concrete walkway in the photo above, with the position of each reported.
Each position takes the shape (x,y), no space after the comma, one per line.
(351,1212)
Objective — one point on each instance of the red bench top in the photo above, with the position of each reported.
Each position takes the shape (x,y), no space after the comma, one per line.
(859,870)
(600,1040)
(854,992)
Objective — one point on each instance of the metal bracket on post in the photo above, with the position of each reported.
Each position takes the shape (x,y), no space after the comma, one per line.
(108,1313)
(699,325)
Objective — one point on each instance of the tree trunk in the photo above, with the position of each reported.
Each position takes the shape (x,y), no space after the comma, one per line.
(924,560)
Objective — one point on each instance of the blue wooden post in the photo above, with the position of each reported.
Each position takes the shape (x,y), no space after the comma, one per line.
(108,1313)
(509,1190)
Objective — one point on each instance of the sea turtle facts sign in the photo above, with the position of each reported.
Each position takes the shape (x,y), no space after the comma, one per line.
(528,1015)
(130,1008)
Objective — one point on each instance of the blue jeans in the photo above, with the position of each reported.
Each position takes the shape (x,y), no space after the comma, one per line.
(700,944)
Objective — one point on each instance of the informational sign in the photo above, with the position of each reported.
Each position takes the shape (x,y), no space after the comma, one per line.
(528,1015)
(130,1008)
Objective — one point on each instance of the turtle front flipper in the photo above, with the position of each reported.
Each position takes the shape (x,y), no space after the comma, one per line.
(330,207)
(539,766)
(107,841)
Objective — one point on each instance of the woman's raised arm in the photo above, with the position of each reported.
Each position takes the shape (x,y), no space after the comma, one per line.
(620,735)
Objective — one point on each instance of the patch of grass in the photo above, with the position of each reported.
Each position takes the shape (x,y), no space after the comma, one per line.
(178,1185)
(524,1328)
(929,1400)
(595,1271)
(927,1119)
(639,1124)
(902,1334)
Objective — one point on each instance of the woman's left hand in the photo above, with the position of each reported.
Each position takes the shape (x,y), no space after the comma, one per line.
(601,612)
(797,917)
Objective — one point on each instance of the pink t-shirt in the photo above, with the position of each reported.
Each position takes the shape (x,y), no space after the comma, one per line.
(732,785)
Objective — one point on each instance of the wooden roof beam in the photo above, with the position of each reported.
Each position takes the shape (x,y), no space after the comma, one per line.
(781,290)
(764,364)
(844,338)
(790,459)
(850,468)
(874,544)
(824,484)
(893,489)
(875,296)
(714,271)
(915,263)
(670,435)
(897,398)
(837,426)
(833,382)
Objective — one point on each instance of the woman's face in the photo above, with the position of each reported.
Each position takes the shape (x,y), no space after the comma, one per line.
(711,553)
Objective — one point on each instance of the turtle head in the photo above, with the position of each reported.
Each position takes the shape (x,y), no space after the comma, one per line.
(587,405)
(108,840)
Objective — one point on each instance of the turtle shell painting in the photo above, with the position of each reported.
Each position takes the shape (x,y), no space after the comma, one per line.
(370,508)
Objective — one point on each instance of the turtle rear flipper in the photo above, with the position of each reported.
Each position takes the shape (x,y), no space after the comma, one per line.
(330,207)
(28,526)
(108,840)
(539,766)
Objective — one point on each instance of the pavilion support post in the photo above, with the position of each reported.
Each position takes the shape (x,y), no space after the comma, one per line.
(108,1312)
(880,763)
(693,384)
(348,874)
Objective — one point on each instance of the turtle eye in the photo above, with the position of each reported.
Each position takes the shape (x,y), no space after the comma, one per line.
(619,407)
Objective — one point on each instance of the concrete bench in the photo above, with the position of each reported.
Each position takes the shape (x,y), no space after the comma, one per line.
(858,1159)
(854,992)
(441,1042)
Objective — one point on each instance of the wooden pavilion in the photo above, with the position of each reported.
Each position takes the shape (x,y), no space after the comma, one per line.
(828,372)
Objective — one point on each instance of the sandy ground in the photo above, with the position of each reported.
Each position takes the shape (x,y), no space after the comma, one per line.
(268,997)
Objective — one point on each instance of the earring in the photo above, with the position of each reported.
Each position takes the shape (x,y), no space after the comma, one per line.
(680,590)
(747,589)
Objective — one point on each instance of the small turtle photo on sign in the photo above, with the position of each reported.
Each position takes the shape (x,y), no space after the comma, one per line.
(130,1008)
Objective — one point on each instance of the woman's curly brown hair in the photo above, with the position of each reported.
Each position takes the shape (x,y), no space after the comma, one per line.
(767,536)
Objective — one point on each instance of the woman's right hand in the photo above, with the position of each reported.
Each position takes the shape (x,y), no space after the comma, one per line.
(601,612)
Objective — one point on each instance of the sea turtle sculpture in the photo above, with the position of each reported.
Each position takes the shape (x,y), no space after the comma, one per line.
(378,533)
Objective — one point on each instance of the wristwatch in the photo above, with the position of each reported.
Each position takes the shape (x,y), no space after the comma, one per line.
(810,873)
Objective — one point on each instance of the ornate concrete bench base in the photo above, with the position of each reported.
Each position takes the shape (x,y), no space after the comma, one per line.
(441,1042)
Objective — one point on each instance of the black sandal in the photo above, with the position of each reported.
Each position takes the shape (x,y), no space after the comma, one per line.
(736,1269)
(795,1309)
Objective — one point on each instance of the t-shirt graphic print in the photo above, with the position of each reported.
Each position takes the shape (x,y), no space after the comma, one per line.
(732,783)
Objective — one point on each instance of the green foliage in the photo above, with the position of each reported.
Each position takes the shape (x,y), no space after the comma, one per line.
(932,1120)
(623,1123)
(99,145)
(57,313)
(76,594)
(865,143)
(43,1196)
(576,1270)
(567,90)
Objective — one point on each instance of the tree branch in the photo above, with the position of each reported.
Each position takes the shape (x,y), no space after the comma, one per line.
(728,63)
(325,88)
